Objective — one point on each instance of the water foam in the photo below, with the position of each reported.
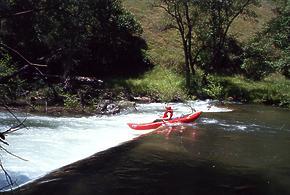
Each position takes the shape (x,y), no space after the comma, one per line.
(52,142)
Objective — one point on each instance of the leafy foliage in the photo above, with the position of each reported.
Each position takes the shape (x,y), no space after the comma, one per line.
(213,28)
(214,88)
(269,51)
(92,38)
(5,65)
(273,90)
(12,88)
(203,27)
(165,85)
(279,33)
(255,64)
(71,101)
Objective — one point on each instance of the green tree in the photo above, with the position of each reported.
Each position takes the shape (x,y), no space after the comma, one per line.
(219,16)
(203,26)
(269,50)
(84,37)
(184,13)
(278,32)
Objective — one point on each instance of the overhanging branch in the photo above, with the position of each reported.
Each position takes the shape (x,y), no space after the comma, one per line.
(21,56)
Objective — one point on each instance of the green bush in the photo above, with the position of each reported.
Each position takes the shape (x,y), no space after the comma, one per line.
(214,88)
(13,87)
(164,84)
(273,90)
(71,101)
(5,66)
(255,64)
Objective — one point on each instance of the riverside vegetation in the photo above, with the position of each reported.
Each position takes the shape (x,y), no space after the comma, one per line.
(132,48)
(260,46)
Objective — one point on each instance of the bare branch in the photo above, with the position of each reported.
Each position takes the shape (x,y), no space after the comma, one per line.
(21,56)
(14,128)
(192,108)
(234,17)
(8,178)
(2,148)
(8,109)
(15,14)
(2,140)
(22,12)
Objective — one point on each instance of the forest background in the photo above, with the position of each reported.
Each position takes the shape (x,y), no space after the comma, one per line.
(76,54)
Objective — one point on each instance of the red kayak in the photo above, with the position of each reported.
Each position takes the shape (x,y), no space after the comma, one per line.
(153,125)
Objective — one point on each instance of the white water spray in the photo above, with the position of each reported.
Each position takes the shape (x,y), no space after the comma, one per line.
(50,143)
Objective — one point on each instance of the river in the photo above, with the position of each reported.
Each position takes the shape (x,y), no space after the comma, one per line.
(230,149)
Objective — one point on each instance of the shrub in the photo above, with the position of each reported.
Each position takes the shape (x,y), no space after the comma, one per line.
(71,101)
(161,83)
(14,86)
(214,88)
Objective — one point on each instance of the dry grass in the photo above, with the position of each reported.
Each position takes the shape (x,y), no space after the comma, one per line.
(244,29)
(165,48)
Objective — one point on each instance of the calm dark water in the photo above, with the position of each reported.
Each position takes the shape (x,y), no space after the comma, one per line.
(241,152)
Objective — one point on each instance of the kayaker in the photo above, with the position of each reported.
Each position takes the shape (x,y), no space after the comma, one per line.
(167,114)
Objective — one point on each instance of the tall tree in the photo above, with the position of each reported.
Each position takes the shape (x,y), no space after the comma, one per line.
(205,23)
(220,15)
(184,15)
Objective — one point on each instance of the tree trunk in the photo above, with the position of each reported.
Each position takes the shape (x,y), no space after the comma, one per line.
(186,64)
(189,38)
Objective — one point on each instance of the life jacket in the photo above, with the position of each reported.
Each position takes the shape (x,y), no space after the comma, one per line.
(168,111)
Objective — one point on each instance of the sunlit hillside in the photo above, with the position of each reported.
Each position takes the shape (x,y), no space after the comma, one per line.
(165,47)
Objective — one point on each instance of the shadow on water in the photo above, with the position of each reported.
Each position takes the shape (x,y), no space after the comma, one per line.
(160,163)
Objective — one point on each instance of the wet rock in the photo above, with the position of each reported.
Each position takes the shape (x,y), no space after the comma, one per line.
(123,104)
(102,106)
(112,109)
(107,107)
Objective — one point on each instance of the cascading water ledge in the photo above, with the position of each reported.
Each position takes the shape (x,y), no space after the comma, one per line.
(52,142)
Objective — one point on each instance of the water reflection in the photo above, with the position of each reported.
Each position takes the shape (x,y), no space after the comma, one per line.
(187,161)
(177,130)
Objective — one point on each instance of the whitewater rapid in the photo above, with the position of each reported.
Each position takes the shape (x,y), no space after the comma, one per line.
(49,143)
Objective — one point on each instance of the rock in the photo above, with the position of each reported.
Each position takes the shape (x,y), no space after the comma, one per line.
(112,109)
(123,104)
(38,100)
(230,98)
(143,99)
(107,107)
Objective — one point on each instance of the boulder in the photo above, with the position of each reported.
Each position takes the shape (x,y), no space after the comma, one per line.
(123,104)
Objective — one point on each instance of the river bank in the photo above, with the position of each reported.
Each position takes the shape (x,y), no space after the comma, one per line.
(116,95)
(103,107)
(84,100)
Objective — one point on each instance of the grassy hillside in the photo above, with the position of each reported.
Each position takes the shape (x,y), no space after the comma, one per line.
(165,47)
(245,29)
(165,51)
